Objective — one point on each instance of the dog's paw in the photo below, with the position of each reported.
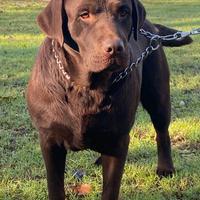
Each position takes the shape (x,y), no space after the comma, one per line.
(165,172)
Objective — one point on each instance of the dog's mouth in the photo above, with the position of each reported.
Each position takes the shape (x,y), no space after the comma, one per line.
(110,63)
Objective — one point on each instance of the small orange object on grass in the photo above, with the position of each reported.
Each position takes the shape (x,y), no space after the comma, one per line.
(82,189)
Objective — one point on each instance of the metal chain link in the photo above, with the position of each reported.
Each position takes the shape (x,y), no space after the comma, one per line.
(59,62)
(176,36)
(155,43)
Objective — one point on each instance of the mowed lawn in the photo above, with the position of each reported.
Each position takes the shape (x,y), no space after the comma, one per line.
(22,172)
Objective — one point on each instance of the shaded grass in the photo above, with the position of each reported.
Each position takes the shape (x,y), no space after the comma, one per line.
(22,172)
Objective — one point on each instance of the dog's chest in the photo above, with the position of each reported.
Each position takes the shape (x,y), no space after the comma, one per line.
(100,118)
(87,105)
(84,102)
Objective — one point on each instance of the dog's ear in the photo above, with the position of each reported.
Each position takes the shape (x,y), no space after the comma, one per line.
(50,20)
(138,17)
(54,23)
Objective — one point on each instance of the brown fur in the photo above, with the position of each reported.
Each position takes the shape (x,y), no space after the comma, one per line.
(88,111)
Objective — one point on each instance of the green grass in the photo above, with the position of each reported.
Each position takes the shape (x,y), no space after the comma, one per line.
(22,173)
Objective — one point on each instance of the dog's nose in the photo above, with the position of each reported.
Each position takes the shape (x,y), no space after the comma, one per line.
(113,46)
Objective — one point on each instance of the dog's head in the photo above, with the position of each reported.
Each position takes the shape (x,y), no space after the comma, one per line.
(98,29)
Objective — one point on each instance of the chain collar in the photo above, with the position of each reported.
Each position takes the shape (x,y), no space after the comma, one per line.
(155,43)
(59,62)
(120,76)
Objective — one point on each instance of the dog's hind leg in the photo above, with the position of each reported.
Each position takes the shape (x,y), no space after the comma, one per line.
(155,98)
(54,157)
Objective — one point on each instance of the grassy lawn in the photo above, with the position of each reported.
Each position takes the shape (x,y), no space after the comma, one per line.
(22,173)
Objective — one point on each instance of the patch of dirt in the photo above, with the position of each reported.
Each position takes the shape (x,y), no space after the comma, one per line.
(20,131)
(184,146)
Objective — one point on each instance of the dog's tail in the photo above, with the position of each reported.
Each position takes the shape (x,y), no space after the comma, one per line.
(163,30)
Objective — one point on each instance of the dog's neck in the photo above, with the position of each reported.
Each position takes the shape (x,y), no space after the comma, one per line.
(85,92)
(75,68)
(79,74)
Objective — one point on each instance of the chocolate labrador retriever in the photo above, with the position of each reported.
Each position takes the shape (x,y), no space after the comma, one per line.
(71,96)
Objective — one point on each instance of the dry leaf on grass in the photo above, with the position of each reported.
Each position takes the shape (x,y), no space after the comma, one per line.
(82,189)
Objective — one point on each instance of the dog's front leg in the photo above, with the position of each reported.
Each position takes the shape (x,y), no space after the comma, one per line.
(54,157)
(113,167)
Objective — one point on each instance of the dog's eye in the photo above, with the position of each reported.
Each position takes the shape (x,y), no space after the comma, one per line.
(123,12)
(85,14)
